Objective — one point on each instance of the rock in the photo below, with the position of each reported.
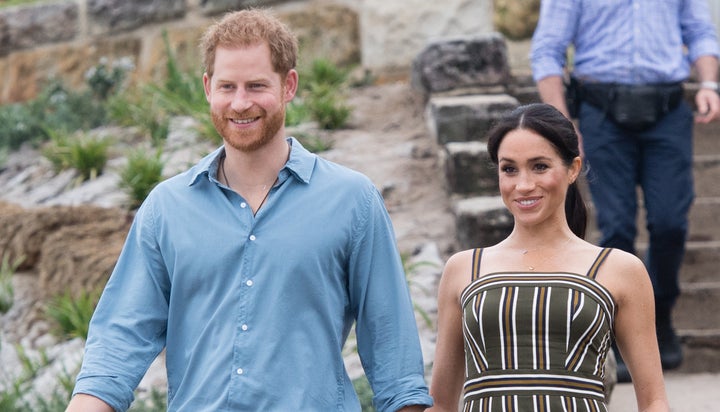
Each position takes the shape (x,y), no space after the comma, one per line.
(468,169)
(462,64)
(466,118)
(482,221)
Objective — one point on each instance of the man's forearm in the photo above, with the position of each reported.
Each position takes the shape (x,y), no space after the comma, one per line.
(707,68)
(552,91)
(87,403)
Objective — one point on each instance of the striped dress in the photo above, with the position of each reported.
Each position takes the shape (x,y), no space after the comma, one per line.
(536,341)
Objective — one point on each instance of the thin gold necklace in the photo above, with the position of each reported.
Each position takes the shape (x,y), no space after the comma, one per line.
(546,258)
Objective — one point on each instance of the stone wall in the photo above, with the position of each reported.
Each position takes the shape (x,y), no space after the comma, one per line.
(65,38)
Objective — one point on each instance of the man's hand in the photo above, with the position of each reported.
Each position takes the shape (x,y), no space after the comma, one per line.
(708,105)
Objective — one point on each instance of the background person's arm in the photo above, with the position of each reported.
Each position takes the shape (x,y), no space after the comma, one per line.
(706,99)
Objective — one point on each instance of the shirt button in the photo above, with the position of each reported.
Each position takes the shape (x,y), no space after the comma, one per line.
(239,371)
(244,327)
(243,205)
(252,237)
(249,283)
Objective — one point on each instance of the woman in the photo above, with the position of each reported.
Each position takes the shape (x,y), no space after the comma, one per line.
(526,324)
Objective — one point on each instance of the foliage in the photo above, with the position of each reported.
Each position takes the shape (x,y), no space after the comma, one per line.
(141,174)
(323,72)
(156,403)
(7,293)
(107,77)
(410,271)
(327,108)
(320,96)
(10,3)
(183,94)
(87,155)
(67,110)
(296,112)
(364,393)
(20,124)
(61,109)
(137,108)
(71,314)
(314,143)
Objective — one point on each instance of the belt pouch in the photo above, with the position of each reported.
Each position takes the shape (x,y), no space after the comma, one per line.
(635,108)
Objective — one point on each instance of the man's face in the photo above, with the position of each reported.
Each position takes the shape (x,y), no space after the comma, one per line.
(247,97)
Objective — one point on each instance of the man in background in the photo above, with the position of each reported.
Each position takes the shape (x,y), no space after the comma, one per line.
(625,88)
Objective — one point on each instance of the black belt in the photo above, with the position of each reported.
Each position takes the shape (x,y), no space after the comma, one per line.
(664,96)
(633,107)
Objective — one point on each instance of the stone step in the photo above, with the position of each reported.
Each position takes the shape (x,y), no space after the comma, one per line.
(706,138)
(707,174)
(698,306)
(465,118)
(701,263)
(701,348)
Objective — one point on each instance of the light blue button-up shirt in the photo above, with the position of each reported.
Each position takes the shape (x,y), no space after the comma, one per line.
(254,310)
(623,41)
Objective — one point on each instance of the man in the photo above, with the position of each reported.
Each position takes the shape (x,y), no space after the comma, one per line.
(630,58)
(251,267)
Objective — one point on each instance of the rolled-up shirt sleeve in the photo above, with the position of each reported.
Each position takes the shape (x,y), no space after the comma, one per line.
(698,30)
(553,35)
(387,335)
(127,330)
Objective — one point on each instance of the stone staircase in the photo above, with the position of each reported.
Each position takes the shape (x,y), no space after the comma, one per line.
(481,218)
(465,95)
(697,313)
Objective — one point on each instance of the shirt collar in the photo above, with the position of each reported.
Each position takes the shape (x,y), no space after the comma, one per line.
(300,164)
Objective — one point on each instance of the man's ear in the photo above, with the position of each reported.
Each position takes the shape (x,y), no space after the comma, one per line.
(291,85)
(206,85)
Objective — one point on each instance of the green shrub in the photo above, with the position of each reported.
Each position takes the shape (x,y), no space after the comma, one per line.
(106,78)
(322,87)
(323,72)
(327,109)
(7,292)
(296,112)
(364,393)
(87,155)
(136,108)
(183,94)
(313,143)
(141,174)
(72,314)
(18,125)
(9,3)
(61,109)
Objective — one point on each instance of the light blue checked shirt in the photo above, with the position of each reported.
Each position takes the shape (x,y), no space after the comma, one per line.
(623,41)
(254,310)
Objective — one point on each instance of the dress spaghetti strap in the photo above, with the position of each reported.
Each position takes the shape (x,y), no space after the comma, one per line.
(477,255)
(592,272)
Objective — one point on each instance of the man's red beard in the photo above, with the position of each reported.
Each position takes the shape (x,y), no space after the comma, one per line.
(249,140)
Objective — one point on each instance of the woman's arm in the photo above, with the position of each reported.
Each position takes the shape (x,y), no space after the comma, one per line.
(449,365)
(635,331)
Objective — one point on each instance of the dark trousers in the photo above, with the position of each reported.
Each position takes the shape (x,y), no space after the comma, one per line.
(660,161)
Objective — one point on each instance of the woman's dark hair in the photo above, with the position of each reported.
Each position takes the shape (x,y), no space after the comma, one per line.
(548,122)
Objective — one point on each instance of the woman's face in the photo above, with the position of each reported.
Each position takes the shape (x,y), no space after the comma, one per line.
(533,178)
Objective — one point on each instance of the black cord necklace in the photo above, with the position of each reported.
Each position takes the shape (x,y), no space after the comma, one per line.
(227,182)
